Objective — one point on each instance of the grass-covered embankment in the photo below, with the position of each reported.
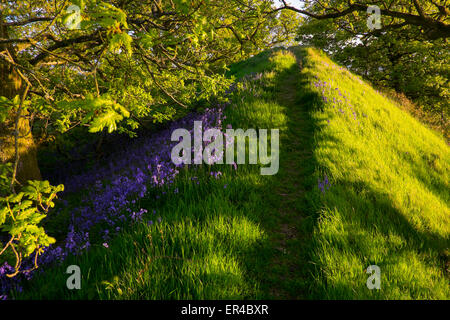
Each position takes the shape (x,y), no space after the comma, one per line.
(291,235)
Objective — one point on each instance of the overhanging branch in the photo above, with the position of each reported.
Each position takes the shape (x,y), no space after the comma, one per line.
(435,29)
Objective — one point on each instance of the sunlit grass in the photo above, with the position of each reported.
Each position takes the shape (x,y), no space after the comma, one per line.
(388,203)
(229,238)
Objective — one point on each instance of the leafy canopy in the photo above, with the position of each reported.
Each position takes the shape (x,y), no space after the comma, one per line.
(114,64)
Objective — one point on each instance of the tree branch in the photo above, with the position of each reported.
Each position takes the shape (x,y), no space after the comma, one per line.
(436,29)
(25,22)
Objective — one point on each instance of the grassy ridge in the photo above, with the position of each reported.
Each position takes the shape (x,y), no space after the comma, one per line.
(388,203)
(250,236)
(211,243)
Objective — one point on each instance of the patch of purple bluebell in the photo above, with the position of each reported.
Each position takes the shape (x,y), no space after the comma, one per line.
(111,191)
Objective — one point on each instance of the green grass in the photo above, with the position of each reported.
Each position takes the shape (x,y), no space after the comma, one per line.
(389,200)
(280,236)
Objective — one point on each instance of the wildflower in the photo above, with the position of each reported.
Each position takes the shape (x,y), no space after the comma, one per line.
(216,174)
(86,245)
(105,245)
(321,186)
(327,183)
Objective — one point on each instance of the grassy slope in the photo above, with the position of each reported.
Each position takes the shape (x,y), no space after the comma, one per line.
(279,236)
(389,202)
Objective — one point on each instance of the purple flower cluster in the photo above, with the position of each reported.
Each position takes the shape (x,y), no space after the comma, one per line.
(111,191)
(325,184)
(216,174)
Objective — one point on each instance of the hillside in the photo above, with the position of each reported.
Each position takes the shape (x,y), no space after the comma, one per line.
(388,200)
(360,183)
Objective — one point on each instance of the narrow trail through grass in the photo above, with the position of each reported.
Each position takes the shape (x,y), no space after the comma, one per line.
(289,267)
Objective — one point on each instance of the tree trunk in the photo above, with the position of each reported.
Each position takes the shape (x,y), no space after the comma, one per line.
(10,86)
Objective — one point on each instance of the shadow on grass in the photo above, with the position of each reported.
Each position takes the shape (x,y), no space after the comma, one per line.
(374,231)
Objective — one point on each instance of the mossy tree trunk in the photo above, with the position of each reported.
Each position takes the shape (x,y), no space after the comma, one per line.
(11,85)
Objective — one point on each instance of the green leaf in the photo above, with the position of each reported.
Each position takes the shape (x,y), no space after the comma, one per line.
(25,214)
(122,110)
(16,100)
(16,198)
(119,40)
(108,119)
